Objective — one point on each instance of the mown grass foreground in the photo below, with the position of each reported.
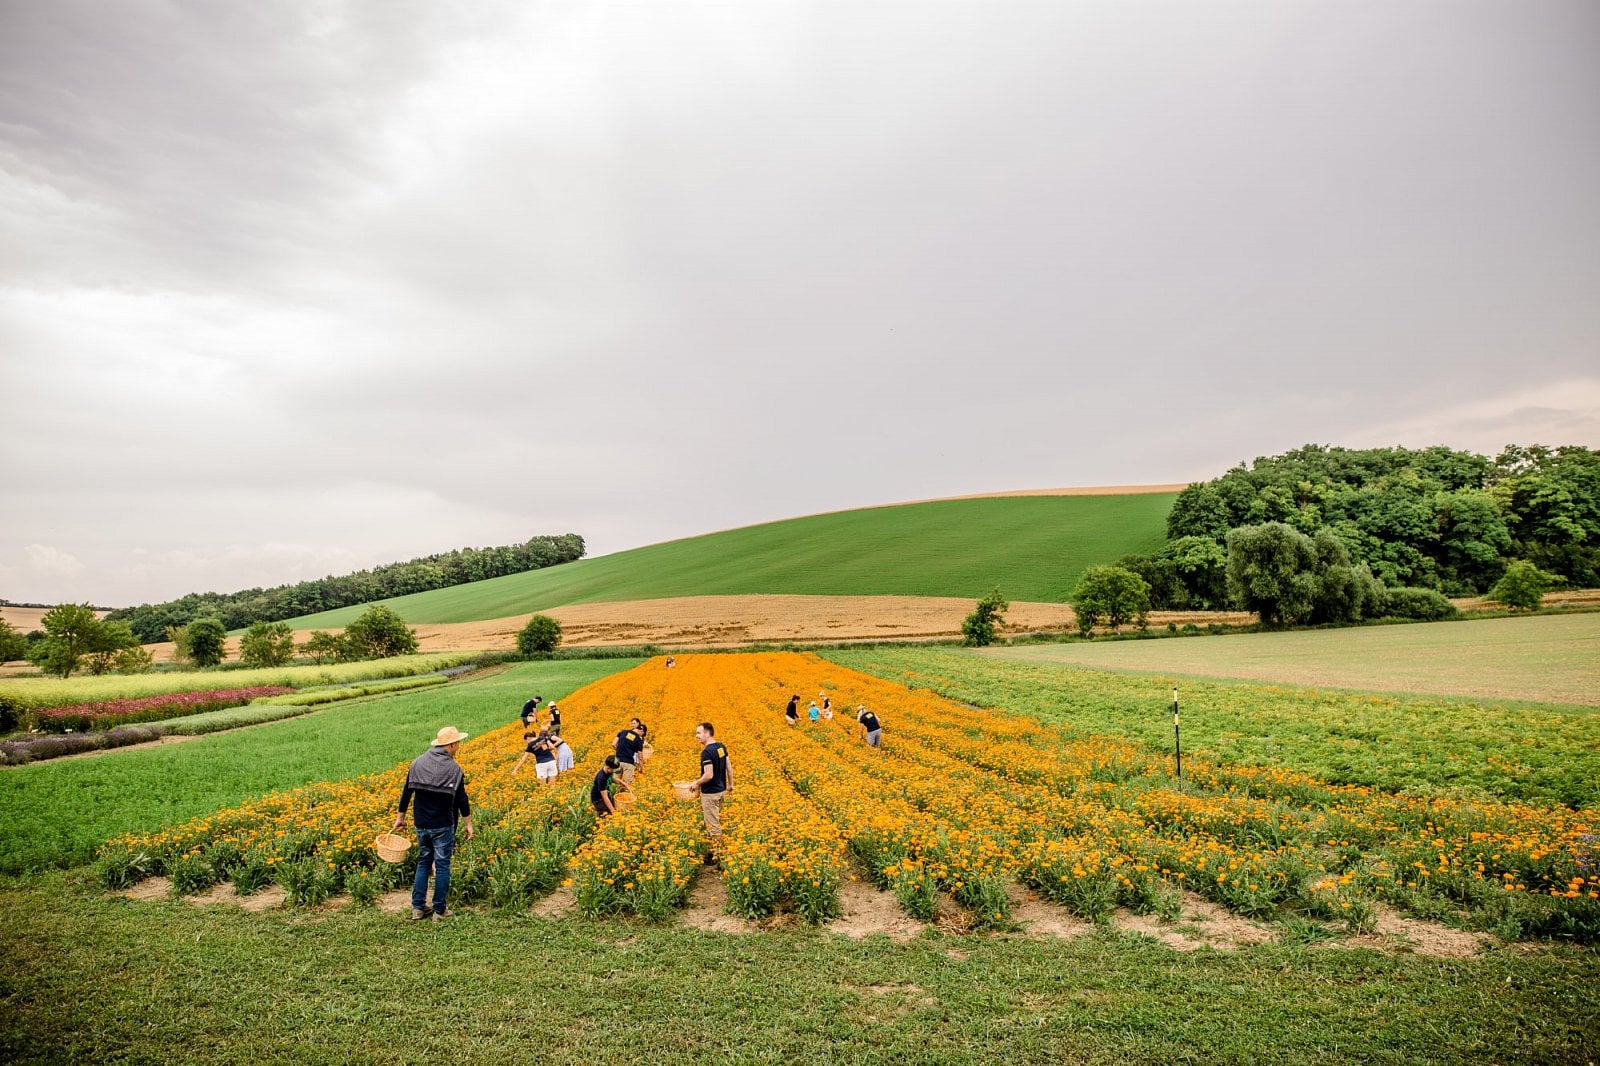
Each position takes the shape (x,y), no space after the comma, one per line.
(1035,548)
(106,979)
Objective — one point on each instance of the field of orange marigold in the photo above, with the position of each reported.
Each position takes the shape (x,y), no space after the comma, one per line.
(960,802)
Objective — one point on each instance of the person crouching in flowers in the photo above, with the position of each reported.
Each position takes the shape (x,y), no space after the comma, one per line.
(716,781)
(812,712)
(600,791)
(873,732)
(791,713)
(827,706)
(439,785)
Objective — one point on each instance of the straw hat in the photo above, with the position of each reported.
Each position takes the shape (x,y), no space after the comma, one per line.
(447,736)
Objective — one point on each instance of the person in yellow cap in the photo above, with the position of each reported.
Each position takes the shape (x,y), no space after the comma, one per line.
(439,786)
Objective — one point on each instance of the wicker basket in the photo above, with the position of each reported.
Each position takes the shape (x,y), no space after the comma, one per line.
(646,752)
(624,799)
(684,790)
(392,847)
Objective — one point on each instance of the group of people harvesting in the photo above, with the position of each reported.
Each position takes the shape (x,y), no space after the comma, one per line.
(871,730)
(436,786)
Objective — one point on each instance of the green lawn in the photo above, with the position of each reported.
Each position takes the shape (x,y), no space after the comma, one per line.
(1526,751)
(1034,548)
(1548,658)
(58,812)
(171,981)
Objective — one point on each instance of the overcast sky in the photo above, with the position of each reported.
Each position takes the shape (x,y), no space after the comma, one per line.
(296,288)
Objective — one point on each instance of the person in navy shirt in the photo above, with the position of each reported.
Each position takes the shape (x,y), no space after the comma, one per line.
(630,742)
(869,723)
(716,781)
(530,711)
(600,790)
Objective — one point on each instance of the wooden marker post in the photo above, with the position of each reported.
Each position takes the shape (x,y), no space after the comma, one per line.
(1177,737)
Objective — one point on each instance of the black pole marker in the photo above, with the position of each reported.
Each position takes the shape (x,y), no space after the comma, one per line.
(1177,737)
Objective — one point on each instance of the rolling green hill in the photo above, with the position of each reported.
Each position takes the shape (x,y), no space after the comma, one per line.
(1033,547)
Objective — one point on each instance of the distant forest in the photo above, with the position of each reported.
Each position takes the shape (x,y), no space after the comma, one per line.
(237,610)
(1432,518)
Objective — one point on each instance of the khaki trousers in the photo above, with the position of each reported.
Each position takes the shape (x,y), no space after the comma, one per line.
(711,810)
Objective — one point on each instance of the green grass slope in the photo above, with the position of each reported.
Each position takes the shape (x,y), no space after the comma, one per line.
(1033,547)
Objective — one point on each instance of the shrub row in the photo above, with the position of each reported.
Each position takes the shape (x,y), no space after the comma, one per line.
(52,746)
(81,717)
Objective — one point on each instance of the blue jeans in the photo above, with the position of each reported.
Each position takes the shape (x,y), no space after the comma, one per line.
(434,848)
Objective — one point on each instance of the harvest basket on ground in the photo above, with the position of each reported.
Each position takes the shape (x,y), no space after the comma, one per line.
(646,752)
(624,799)
(392,847)
(684,790)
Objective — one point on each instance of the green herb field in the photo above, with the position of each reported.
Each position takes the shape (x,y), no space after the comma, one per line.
(1540,753)
(1035,548)
(1547,658)
(26,692)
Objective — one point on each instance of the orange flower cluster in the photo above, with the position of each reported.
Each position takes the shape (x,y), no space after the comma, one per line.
(960,801)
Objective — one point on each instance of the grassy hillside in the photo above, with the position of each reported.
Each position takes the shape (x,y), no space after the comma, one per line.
(1033,547)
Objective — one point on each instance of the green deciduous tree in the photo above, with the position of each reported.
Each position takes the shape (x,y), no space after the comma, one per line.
(1523,586)
(1272,571)
(980,627)
(208,641)
(1113,595)
(267,644)
(107,640)
(324,647)
(13,645)
(540,635)
(69,631)
(133,660)
(379,633)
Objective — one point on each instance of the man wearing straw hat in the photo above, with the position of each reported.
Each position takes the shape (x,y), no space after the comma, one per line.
(439,786)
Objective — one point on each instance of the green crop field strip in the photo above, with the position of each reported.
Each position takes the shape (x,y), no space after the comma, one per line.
(1543,754)
(60,811)
(24,692)
(1546,658)
(1035,548)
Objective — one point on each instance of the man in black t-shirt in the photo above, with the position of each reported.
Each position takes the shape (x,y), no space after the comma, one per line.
(530,711)
(600,790)
(869,723)
(716,781)
(630,742)
(555,717)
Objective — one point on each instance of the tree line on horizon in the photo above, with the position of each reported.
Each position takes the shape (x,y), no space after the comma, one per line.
(1411,525)
(238,610)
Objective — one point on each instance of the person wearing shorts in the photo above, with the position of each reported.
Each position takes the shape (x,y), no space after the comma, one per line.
(869,722)
(716,781)
(792,712)
(530,711)
(543,749)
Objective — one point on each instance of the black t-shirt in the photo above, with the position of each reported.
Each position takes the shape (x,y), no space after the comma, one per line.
(629,743)
(528,709)
(597,790)
(555,717)
(542,749)
(716,756)
(869,720)
(792,710)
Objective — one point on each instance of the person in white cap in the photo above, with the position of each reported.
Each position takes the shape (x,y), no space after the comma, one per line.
(439,786)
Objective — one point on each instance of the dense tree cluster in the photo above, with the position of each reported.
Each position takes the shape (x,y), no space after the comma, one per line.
(237,610)
(1300,537)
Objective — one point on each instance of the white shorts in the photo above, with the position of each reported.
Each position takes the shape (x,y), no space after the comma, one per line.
(546,770)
